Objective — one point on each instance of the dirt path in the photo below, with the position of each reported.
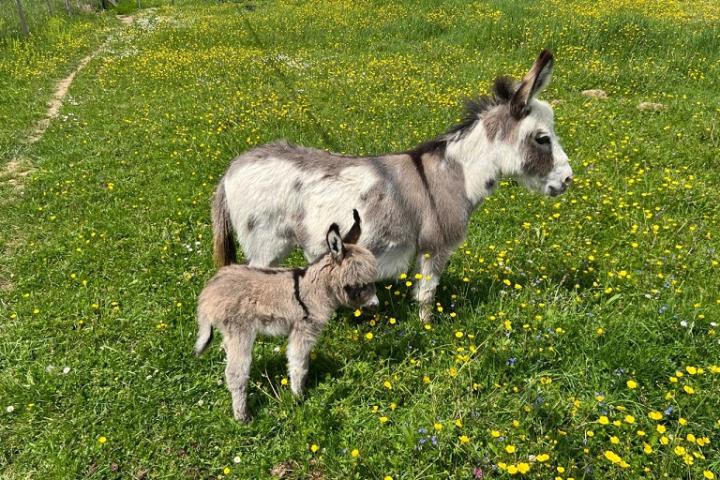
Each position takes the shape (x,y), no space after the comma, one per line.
(20,166)
(62,88)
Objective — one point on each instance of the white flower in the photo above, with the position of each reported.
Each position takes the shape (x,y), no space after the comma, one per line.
(684,323)
(10,409)
(236,459)
(200,402)
(66,370)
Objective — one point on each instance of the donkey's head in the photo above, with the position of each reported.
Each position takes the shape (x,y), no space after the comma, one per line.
(516,130)
(354,268)
(523,126)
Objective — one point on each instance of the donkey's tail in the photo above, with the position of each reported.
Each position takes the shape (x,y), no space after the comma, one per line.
(223,244)
(205,333)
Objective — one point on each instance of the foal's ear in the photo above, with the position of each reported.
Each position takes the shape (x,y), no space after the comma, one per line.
(354,234)
(335,243)
(533,83)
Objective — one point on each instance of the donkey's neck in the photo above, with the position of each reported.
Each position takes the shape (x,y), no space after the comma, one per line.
(480,159)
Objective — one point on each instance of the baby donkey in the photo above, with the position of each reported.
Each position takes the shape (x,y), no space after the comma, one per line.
(243,301)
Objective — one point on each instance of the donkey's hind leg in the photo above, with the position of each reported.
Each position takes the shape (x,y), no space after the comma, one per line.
(238,348)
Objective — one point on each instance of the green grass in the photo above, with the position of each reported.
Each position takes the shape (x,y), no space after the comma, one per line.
(108,245)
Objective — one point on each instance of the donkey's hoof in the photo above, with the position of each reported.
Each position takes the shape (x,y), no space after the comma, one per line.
(426,314)
(243,418)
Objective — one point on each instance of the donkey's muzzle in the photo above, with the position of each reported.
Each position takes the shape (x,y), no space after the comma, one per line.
(555,191)
(373,303)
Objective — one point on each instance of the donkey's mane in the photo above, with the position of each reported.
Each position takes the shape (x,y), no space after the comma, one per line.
(502,93)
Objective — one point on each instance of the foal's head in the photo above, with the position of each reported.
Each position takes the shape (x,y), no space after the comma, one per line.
(353,268)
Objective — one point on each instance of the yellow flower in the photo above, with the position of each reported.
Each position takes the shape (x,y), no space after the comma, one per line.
(603,420)
(464,439)
(664,440)
(355,453)
(227,470)
(358,312)
(614,440)
(384,419)
(458,423)
(512,469)
(647,448)
(494,433)
(691,370)
(679,451)
(561,469)
(690,438)
(631,384)
(284,381)
(369,336)
(688,389)
(523,467)
(387,384)
(629,419)
(426,379)
(612,456)
(438,426)
(661,429)
(708,474)
(459,334)
(314,447)
(655,415)
(682,421)
(510,448)
(387,477)
(543,457)
(102,440)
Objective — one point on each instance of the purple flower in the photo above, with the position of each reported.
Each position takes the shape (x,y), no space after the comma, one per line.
(478,473)
(512,361)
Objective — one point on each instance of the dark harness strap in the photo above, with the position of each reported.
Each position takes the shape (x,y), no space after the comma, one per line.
(297,274)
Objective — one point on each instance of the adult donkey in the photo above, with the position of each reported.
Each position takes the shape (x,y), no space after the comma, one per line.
(415,204)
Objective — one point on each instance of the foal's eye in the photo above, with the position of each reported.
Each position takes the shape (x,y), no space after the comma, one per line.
(542,139)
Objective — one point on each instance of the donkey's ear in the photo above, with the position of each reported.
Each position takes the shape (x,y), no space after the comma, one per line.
(335,243)
(534,82)
(354,234)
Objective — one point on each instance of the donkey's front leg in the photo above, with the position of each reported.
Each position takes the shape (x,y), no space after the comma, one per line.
(431,266)
(300,343)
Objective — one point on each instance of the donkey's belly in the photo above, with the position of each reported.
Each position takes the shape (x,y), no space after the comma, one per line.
(394,261)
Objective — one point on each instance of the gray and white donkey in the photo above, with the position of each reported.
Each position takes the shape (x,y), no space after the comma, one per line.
(418,203)
(243,301)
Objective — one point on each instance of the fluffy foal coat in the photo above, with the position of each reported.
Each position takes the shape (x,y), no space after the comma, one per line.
(243,301)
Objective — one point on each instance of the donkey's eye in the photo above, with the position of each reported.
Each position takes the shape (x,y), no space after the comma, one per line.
(542,139)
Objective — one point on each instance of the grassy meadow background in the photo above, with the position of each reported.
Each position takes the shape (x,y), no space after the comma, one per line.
(575,337)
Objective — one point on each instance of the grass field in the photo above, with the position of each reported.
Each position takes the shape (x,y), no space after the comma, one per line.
(575,337)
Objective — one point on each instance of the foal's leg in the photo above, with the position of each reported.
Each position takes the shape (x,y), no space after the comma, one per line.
(238,348)
(431,267)
(300,343)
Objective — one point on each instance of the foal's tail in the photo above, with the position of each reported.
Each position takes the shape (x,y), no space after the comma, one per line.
(205,333)
(223,244)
